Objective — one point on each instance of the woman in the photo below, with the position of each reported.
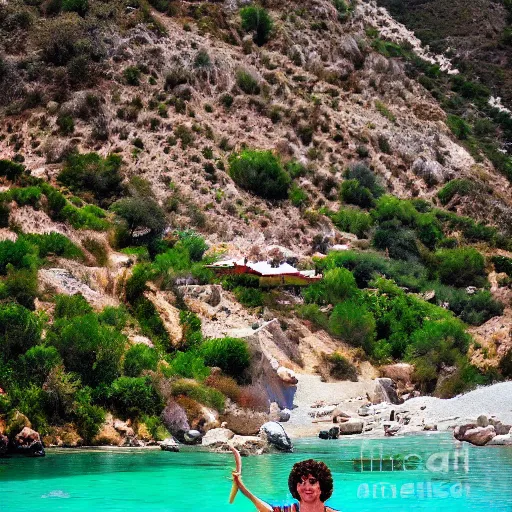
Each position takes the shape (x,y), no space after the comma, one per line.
(310,482)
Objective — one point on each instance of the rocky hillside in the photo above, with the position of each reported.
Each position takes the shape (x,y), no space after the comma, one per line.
(139,141)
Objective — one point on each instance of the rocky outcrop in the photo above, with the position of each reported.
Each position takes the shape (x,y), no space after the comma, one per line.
(249,445)
(217,437)
(28,443)
(386,391)
(276,436)
(474,434)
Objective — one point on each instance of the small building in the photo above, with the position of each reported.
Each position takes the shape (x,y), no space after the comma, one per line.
(281,275)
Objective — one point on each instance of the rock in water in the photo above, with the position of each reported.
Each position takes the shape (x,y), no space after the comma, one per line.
(169,445)
(192,437)
(276,436)
(217,437)
(474,434)
(28,443)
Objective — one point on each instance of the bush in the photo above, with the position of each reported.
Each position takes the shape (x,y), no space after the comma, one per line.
(352,322)
(506,365)
(256,19)
(461,187)
(139,358)
(502,264)
(38,362)
(340,367)
(230,354)
(297,196)
(26,196)
(88,418)
(140,214)
(398,242)
(88,348)
(202,394)
(352,192)
(115,317)
(11,170)
(391,208)
(460,128)
(194,243)
(247,82)
(20,330)
(19,254)
(54,244)
(21,286)
(260,172)
(312,313)
(226,385)
(87,217)
(66,124)
(461,267)
(78,6)
(353,221)
(71,306)
(131,75)
(339,284)
(91,173)
(134,396)
(249,297)
(188,364)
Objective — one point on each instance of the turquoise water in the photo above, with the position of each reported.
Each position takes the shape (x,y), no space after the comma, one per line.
(424,473)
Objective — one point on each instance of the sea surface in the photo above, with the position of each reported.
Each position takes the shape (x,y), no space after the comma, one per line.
(423,473)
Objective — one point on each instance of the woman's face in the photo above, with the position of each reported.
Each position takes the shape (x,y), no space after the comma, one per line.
(309,489)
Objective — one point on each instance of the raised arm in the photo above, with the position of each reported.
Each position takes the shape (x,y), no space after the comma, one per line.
(260,505)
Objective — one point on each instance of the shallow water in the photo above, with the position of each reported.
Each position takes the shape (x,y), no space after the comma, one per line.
(424,473)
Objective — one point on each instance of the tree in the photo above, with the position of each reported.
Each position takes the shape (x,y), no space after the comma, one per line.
(141,213)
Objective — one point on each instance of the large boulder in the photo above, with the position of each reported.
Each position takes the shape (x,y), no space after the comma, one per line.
(502,440)
(501,429)
(386,391)
(192,437)
(276,436)
(352,426)
(474,434)
(217,437)
(4,445)
(28,443)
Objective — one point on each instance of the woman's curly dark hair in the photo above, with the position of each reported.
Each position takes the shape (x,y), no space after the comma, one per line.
(316,469)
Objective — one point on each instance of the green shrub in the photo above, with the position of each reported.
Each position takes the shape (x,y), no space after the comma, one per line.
(115,317)
(249,297)
(460,267)
(78,6)
(230,354)
(339,284)
(156,428)
(140,214)
(194,243)
(191,326)
(19,254)
(202,394)
(297,196)
(353,193)
(340,367)
(66,124)
(400,243)
(87,217)
(88,348)
(70,306)
(20,329)
(342,8)
(21,286)
(188,364)
(131,75)
(352,322)
(506,365)
(502,264)
(353,221)
(247,82)
(89,418)
(312,313)
(37,363)
(460,128)
(259,172)
(26,196)
(429,230)
(54,244)
(11,170)
(256,19)
(135,396)
(391,208)
(91,173)
(139,358)
(461,187)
